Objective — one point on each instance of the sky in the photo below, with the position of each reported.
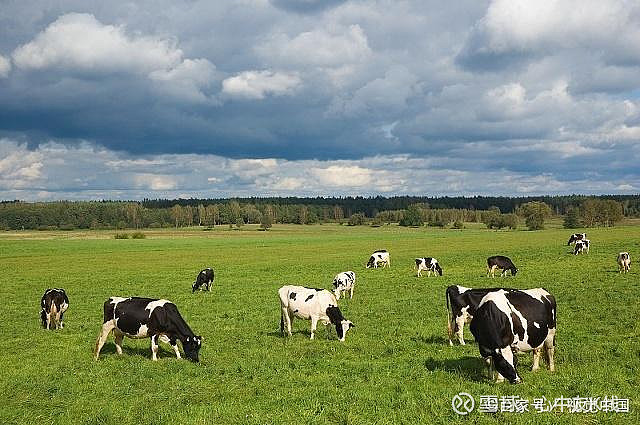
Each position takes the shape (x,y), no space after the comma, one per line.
(167,99)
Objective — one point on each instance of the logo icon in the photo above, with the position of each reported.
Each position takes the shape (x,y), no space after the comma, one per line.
(463,403)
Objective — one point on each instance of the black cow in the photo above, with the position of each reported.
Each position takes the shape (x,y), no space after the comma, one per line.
(147,318)
(54,303)
(576,237)
(501,262)
(205,277)
(508,322)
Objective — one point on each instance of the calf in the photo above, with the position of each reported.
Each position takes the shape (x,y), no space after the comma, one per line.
(54,303)
(501,262)
(508,322)
(576,237)
(147,318)
(581,246)
(624,262)
(311,304)
(343,282)
(205,277)
(429,264)
(379,257)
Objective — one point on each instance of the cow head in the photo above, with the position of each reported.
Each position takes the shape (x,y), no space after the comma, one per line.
(514,270)
(342,328)
(439,269)
(371,262)
(506,369)
(191,346)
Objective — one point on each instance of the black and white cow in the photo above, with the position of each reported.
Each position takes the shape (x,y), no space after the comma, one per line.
(461,306)
(204,278)
(138,317)
(379,257)
(576,237)
(624,262)
(581,247)
(344,282)
(54,303)
(311,304)
(500,262)
(508,322)
(429,264)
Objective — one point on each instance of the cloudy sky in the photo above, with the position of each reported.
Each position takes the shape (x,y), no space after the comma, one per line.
(125,100)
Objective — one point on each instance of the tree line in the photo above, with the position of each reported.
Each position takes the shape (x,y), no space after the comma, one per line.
(579,211)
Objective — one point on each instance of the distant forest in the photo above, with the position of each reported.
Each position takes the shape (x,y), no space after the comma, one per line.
(67,215)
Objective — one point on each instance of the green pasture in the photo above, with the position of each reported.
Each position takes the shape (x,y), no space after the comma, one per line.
(395,367)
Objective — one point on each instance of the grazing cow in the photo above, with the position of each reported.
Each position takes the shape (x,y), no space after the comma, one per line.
(379,257)
(343,282)
(54,303)
(581,246)
(624,262)
(429,264)
(508,322)
(311,304)
(147,318)
(205,277)
(576,237)
(501,262)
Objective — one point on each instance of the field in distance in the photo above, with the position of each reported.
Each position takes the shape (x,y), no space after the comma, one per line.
(394,367)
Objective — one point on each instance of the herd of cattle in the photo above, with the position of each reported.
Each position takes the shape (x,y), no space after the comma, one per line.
(503,321)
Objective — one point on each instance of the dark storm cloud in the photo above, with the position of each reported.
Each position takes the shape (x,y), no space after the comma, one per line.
(527,91)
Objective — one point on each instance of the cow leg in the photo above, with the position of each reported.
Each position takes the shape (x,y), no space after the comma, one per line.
(419,274)
(351,292)
(314,323)
(287,320)
(172,342)
(48,320)
(61,320)
(537,353)
(489,362)
(450,325)
(154,347)
(119,336)
(107,327)
(550,349)
(460,320)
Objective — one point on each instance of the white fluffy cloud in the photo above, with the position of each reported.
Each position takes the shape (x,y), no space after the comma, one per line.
(78,42)
(5,67)
(258,84)
(322,47)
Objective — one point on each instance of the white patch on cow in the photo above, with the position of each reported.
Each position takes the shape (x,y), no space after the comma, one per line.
(153,304)
(536,325)
(462,289)
(143,332)
(537,293)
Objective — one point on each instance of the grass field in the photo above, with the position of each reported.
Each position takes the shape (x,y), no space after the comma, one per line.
(394,368)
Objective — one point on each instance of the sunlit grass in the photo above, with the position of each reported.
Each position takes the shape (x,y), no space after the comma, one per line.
(395,366)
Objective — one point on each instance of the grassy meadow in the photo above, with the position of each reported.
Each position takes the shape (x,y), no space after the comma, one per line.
(395,367)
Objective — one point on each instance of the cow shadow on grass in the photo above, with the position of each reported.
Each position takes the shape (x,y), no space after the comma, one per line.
(109,349)
(278,334)
(469,368)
